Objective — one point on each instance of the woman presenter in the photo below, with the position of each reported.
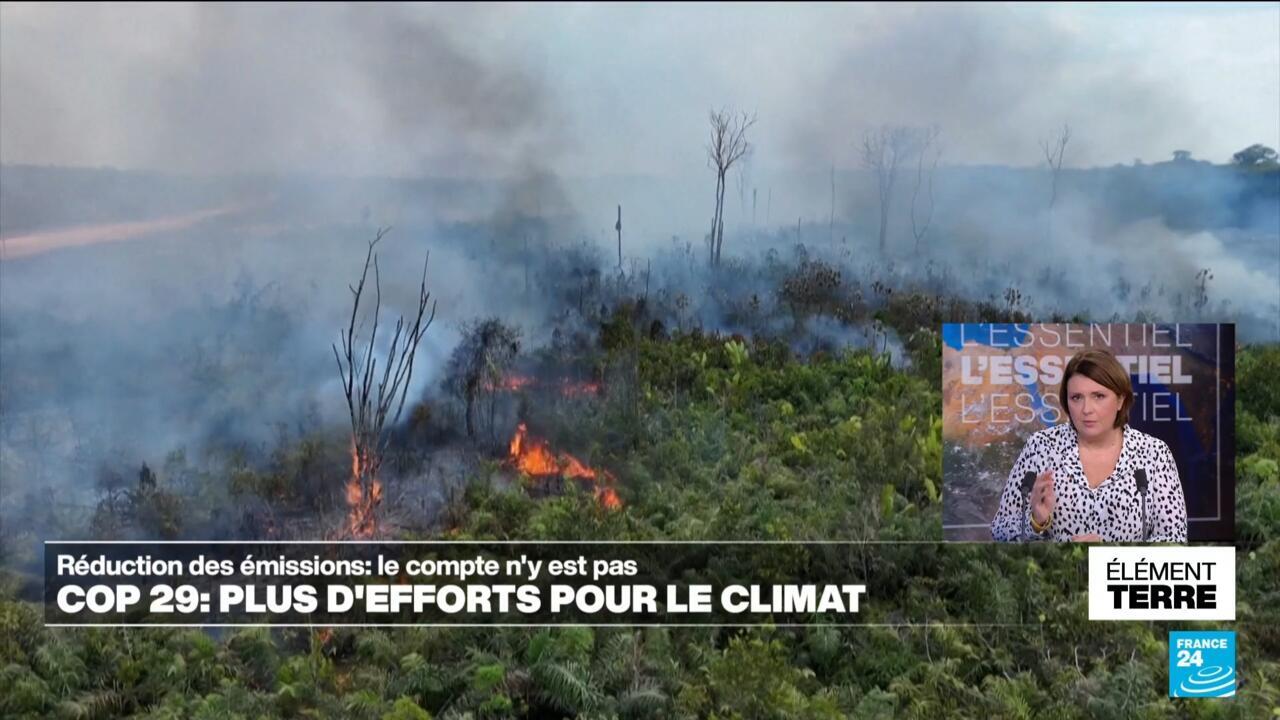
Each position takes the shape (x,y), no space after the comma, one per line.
(1093,478)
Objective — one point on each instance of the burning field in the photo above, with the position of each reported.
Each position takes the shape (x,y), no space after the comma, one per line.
(791,399)
(364,496)
(600,274)
(535,458)
(562,386)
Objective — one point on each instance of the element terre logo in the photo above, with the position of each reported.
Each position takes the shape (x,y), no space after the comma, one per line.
(1202,664)
(1162,583)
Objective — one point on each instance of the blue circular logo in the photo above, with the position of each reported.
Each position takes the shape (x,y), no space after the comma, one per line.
(1212,680)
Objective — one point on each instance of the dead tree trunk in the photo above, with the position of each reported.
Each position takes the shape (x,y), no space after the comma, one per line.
(927,146)
(472,390)
(882,153)
(715,220)
(728,145)
(1053,152)
(831,219)
(372,397)
(618,227)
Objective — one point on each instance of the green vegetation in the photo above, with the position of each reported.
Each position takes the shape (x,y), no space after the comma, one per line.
(718,438)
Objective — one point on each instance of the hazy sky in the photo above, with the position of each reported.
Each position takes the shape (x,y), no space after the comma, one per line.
(595,89)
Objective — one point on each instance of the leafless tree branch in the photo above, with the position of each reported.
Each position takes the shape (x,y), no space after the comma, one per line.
(369,405)
(927,147)
(727,146)
(883,151)
(1054,150)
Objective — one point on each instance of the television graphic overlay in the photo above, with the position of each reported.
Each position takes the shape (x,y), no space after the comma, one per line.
(1000,385)
(1202,664)
(430,361)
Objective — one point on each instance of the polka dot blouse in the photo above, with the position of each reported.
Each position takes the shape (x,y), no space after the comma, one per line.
(1113,510)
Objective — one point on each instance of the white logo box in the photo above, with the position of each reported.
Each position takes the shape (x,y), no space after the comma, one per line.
(1162,583)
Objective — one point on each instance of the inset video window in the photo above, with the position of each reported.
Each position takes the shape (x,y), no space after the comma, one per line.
(1088,432)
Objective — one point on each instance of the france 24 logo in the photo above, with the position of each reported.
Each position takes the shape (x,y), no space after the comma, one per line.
(1202,664)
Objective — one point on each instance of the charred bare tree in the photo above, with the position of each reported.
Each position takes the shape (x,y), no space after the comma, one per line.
(927,152)
(373,396)
(1202,291)
(728,145)
(1053,151)
(883,151)
(831,219)
(618,226)
(478,365)
(145,510)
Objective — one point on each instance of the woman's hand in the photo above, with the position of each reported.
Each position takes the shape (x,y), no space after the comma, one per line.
(1087,537)
(1043,498)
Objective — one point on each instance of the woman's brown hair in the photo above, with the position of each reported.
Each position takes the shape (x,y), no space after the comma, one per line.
(1101,367)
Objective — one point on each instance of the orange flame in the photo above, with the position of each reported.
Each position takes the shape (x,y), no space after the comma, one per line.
(362,522)
(608,498)
(510,383)
(565,386)
(535,458)
(573,389)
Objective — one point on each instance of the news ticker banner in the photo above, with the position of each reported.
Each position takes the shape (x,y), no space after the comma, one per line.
(1000,384)
(597,583)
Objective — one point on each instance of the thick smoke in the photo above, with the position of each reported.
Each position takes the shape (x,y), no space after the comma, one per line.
(502,140)
(216,333)
(212,89)
(998,80)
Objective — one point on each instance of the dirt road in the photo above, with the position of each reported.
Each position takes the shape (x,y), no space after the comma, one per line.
(20,246)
